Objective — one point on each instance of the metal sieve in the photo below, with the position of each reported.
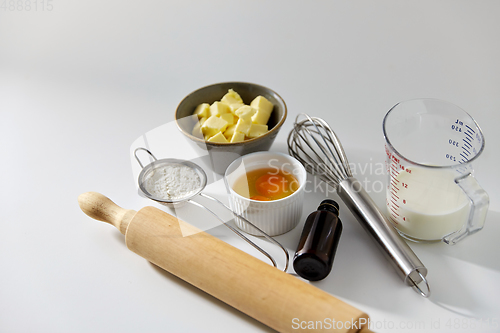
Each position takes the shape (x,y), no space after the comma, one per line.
(149,170)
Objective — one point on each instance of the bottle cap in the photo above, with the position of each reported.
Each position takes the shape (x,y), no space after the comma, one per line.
(330,205)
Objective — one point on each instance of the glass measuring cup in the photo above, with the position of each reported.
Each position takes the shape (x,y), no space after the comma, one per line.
(432,194)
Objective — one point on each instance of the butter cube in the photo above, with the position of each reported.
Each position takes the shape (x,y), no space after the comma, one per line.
(245,112)
(197,128)
(218,108)
(233,100)
(257,130)
(202,110)
(261,117)
(261,103)
(236,106)
(219,138)
(243,126)
(232,97)
(237,137)
(229,117)
(213,125)
(229,131)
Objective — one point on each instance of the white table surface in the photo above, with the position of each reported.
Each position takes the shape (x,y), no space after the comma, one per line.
(81,81)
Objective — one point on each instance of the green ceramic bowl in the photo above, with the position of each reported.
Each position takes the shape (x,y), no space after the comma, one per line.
(222,154)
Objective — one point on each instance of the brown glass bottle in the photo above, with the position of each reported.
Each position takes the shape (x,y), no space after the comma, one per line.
(314,257)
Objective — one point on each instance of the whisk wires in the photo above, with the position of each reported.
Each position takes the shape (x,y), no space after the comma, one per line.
(317,147)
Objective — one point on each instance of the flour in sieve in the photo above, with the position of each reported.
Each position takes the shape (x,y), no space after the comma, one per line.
(172,181)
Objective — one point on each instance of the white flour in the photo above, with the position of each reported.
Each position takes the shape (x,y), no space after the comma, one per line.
(172,181)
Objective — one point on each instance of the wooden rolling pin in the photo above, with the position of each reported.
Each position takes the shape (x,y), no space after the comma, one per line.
(263,292)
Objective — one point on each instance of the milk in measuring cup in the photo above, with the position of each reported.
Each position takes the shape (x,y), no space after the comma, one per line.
(426,203)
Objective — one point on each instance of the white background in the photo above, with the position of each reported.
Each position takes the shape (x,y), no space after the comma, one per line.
(81,82)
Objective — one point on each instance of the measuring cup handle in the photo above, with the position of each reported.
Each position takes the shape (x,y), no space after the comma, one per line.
(479,207)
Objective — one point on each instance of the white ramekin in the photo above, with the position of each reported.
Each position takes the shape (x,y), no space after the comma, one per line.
(274,217)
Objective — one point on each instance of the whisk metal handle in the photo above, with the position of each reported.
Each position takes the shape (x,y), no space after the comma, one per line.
(407,264)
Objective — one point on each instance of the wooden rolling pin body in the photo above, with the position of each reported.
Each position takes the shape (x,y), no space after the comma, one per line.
(263,292)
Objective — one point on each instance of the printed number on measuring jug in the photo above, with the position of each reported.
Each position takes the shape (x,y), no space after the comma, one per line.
(457,126)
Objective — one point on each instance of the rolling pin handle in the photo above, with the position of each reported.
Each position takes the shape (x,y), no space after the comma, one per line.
(101,208)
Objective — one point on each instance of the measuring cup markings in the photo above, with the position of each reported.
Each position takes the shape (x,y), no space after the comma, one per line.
(469,135)
(395,185)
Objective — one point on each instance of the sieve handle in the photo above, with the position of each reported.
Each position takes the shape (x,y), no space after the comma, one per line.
(137,158)
(407,264)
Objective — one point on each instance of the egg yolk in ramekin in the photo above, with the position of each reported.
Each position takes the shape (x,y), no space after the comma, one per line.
(266,184)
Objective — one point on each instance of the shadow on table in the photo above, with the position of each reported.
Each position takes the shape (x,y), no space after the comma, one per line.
(460,272)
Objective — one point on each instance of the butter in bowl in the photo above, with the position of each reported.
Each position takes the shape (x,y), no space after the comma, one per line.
(231,119)
(267,189)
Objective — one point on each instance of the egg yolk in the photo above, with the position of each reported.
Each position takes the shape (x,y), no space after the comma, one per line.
(271,185)
(266,184)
